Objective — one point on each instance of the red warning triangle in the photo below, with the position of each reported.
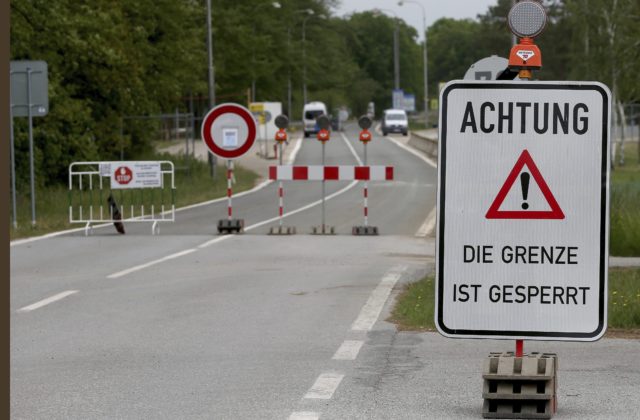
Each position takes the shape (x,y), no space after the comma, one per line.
(554,213)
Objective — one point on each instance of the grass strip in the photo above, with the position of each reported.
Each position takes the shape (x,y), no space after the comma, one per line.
(415,306)
(625,205)
(193,185)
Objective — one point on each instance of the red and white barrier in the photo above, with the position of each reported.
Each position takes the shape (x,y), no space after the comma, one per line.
(331,173)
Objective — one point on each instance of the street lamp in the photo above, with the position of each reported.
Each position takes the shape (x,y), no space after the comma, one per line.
(396,47)
(308,12)
(304,57)
(424,60)
(212,93)
(275,5)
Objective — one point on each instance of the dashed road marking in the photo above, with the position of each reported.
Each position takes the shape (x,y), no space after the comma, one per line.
(304,415)
(371,310)
(428,225)
(348,350)
(325,386)
(47,301)
(150,263)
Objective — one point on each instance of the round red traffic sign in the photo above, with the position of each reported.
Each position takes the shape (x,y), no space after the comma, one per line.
(123,175)
(229,130)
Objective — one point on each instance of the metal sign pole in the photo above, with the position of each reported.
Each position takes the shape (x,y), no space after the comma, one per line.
(229,191)
(280,186)
(366,191)
(323,190)
(31,164)
(13,171)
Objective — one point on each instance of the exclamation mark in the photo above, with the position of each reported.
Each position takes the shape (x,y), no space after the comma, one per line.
(524,182)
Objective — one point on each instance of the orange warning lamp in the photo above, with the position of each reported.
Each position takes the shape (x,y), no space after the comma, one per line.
(365,136)
(281,135)
(527,20)
(323,123)
(365,122)
(323,135)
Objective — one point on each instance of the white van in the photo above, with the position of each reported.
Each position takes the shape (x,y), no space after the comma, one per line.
(310,112)
(395,121)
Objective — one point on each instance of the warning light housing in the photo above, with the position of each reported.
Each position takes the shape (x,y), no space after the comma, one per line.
(527,20)
(281,135)
(365,136)
(323,135)
(525,55)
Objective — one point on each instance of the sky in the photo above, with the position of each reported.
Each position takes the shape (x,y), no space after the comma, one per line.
(412,13)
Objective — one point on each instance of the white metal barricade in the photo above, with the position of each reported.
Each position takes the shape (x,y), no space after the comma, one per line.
(96,197)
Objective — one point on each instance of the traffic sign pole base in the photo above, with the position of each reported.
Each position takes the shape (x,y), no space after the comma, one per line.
(282,230)
(364,230)
(230,226)
(520,387)
(323,230)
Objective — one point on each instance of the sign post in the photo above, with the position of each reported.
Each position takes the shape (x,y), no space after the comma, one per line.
(365,137)
(229,131)
(323,136)
(29,98)
(282,122)
(523,210)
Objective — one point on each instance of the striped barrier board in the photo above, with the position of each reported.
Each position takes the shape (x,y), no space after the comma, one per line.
(330,173)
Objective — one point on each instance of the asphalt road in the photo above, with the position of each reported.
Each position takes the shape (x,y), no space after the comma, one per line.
(192,325)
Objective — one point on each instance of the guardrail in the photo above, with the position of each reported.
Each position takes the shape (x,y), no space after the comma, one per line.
(116,192)
(425,141)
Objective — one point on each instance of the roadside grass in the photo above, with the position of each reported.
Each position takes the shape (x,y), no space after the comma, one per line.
(624,298)
(193,185)
(414,308)
(625,205)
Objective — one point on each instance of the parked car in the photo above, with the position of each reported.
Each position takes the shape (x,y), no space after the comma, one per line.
(395,121)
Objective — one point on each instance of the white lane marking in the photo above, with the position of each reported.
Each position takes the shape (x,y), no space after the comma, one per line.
(223,238)
(214,241)
(325,386)
(192,206)
(308,206)
(428,225)
(371,310)
(47,301)
(304,415)
(248,228)
(294,153)
(348,350)
(218,200)
(52,235)
(353,151)
(150,263)
(412,151)
(258,187)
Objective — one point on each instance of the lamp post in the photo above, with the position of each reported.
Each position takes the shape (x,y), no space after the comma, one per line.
(424,60)
(304,55)
(212,93)
(275,5)
(396,48)
(308,12)
(304,58)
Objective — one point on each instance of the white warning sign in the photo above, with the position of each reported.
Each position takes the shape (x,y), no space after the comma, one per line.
(139,174)
(522,236)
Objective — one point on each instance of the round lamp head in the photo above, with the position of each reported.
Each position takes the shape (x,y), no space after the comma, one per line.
(527,19)
(364,122)
(323,122)
(282,121)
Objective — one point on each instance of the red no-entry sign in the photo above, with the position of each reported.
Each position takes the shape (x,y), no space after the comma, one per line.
(229,130)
